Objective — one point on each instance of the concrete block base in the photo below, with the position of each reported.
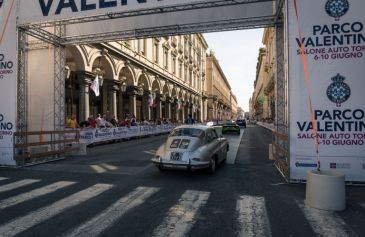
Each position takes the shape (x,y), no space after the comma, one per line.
(325,190)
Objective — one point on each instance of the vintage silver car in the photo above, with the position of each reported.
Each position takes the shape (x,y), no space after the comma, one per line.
(192,147)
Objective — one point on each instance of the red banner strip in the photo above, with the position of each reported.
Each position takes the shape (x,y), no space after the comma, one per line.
(305,69)
(6,21)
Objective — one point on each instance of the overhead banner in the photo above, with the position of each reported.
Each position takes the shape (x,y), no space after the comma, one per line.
(333,37)
(33,11)
(8,70)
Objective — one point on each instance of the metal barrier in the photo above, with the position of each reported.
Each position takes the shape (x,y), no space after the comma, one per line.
(280,154)
(43,146)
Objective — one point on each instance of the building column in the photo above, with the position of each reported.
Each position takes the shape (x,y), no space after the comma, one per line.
(133,104)
(205,110)
(112,101)
(145,107)
(168,109)
(189,108)
(104,101)
(120,105)
(84,108)
(159,109)
(183,112)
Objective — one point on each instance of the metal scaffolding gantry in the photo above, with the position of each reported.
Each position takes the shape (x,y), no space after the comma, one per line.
(54,32)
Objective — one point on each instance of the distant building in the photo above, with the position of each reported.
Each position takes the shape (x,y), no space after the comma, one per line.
(262,102)
(221,103)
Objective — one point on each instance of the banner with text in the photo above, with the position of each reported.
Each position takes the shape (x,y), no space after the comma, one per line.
(8,70)
(333,37)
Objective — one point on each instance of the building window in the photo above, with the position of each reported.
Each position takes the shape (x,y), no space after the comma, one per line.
(181,70)
(186,73)
(174,65)
(142,46)
(165,58)
(191,78)
(155,52)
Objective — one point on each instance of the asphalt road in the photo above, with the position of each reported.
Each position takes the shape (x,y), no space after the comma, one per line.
(116,191)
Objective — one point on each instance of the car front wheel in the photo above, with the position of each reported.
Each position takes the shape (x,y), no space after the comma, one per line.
(213,165)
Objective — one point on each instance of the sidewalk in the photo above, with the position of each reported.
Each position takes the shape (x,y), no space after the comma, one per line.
(269,126)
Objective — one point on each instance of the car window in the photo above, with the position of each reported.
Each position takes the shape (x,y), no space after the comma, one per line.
(229,123)
(211,135)
(190,132)
(214,134)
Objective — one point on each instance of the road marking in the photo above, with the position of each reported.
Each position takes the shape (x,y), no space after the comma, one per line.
(17,184)
(109,167)
(33,194)
(234,143)
(324,223)
(98,169)
(3,178)
(104,220)
(183,215)
(23,223)
(252,216)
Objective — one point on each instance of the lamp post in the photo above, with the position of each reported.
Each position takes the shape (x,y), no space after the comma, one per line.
(70,101)
(140,89)
(123,85)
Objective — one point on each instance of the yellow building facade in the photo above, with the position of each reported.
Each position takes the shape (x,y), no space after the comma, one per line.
(149,79)
(221,102)
(262,102)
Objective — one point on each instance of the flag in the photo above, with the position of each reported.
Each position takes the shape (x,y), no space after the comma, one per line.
(150,100)
(95,86)
(179,104)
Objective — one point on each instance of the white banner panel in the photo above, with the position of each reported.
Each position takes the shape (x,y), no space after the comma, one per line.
(32,11)
(8,69)
(179,18)
(334,39)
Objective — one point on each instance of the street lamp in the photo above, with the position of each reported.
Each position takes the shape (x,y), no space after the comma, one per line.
(98,70)
(67,72)
(123,85)
(163,97)
(140,89)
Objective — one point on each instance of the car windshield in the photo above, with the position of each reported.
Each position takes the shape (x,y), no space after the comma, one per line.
(190,132)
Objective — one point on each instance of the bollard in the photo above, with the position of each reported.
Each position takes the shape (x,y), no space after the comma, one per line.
(325,190)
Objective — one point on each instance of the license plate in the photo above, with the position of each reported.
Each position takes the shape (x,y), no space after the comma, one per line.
(175,156)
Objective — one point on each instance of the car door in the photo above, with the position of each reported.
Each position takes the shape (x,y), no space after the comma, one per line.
(212,142)
(221,144)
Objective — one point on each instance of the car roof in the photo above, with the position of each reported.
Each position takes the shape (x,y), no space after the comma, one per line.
(198,126)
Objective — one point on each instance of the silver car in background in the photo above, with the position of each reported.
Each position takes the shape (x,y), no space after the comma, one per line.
(192,147)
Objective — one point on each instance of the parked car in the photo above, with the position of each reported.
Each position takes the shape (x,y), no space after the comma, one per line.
(241,123)
(192,147)
(230,127)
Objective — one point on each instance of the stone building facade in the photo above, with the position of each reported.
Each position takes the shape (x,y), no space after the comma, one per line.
(152,78)
(262,102)
(221,102)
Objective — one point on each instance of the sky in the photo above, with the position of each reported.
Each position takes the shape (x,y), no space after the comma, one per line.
(237,53)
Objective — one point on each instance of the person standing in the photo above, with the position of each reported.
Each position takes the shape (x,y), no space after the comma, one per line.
(72,122)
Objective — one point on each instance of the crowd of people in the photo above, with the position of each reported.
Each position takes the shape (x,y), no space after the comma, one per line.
(101,121)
